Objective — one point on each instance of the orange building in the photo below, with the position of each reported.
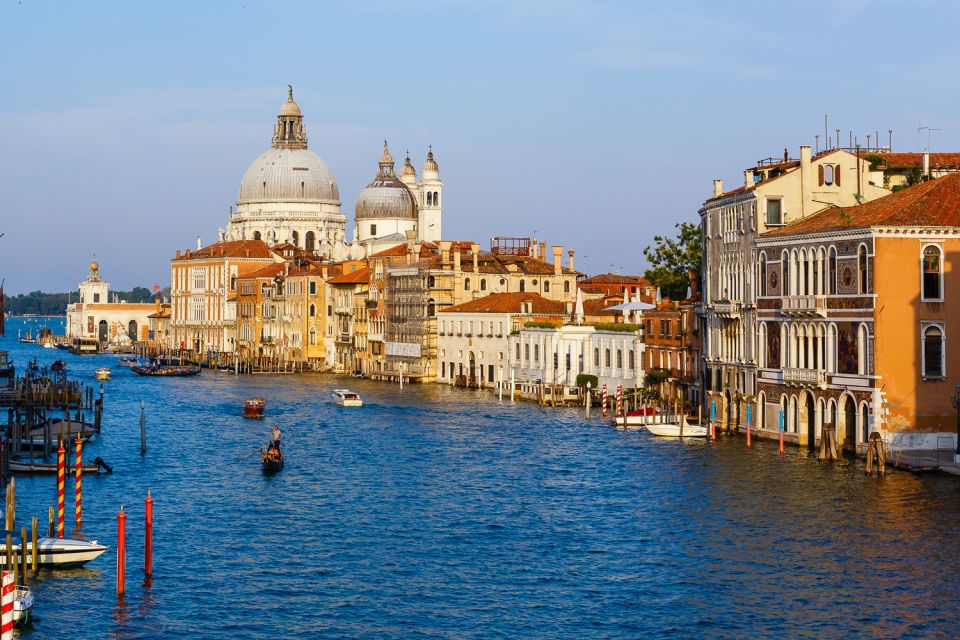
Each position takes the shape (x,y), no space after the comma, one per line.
(854,310)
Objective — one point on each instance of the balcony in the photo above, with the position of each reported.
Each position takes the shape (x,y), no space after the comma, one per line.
(805,377)
(344,337)
(727,308)
(804,306)
(375,337)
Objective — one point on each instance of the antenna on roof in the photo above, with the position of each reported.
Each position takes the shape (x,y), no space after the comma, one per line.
(826,135)
(929,130)
(817,137)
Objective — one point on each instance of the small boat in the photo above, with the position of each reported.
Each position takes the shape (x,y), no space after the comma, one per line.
(47,345)
(681,429)
(272,460)
(128,361)
(50,468)
(346,398)
(253,408)
(166,371)
(58,366)
(635,418)
(22,605)
(62,553)
(103,373)
(57,427)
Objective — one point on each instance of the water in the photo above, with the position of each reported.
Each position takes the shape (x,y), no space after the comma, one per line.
(440,513)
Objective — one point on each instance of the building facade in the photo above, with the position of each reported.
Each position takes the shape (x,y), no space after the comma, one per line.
(94,316)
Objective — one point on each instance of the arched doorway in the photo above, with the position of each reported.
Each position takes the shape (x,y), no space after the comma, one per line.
(102,331)
(132,330)
(811,421)
(849,424)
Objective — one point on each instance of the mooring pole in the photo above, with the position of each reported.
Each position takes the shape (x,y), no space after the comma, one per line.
(781,431)
(143,429)
(121,551)
(748,424)
(79,482)
(148,536)
(61,481)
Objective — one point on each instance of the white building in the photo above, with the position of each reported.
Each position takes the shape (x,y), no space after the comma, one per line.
(94,316)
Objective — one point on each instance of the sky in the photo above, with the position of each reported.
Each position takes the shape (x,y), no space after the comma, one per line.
(125,127)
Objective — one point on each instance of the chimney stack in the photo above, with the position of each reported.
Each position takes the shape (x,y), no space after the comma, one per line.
(570,259)
(178,253)
(557,267)
(475,250)
(445,253)
(926,164)
(717,188)
(748,178)
(542,251)
(805,154)
(456,259)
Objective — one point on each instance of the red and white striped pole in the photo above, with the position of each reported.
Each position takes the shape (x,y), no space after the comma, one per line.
(619,399)
(603,406)
(121,551)
(61,481)
(79,482)
(6,606)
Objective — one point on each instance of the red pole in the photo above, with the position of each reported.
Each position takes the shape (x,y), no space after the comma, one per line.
(148,536)
(603,405)
(61,481)
(121,551)
(79,473)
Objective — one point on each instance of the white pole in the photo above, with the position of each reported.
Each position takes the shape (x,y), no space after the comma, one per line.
(500,383)
(401,376)
(513,385)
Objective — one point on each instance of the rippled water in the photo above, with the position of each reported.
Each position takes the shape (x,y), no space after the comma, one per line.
(441,513)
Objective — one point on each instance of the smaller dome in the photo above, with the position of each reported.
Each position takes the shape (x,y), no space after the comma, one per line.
(385,157)
(408,169)
(290,108)
(430,164)
(386,197)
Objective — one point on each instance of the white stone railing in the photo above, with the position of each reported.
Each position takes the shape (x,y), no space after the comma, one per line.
(814,377)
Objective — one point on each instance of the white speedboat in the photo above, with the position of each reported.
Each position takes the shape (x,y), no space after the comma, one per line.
(679,429)
(103,373)
(22,605)
(128,361)
(62,553)
(634,418)
(346,398)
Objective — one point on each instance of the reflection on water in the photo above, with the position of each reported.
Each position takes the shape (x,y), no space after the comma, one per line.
(439,512)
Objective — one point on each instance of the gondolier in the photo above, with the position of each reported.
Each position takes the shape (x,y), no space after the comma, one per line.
(275,443)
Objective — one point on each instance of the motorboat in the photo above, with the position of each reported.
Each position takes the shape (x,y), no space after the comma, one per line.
(253,408)
(62,553)
(50,468)
(677,429)
(635,418)
(128,361)
(22,605)
(346,398)
(103,373)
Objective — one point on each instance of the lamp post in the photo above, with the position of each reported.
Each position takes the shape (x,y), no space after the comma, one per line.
(955,397)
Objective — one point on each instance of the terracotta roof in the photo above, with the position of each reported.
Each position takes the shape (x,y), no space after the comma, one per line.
(269,271)
(401,250)
(894,160)
(613,278)
(360,276)
(160,314)
(508,303)
(935,203)
(233,249)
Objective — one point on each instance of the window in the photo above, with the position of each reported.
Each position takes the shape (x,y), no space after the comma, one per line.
(763,274)
(523,286)
(483,284)
(832,275)
(526,352)
(373,230)
(862,265)
(313,310)
(429,198)
(329,310)
(566,286)
(785,279)
(313,288)
(466,284)
(931,273)
(546,287)
(774,211)
(606,357)
(313,337)
(933,364)
(827,172)
(518,351)
(431,282)
(256,235)
(596,357)
(96,297)
(536,353)
(630,359)
(619,359)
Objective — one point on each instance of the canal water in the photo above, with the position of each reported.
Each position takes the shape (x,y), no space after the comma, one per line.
(442,513)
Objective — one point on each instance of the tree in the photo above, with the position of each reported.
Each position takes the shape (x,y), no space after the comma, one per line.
(671,258)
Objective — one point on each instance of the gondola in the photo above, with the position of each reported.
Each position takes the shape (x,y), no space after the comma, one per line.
(50,468)
(272,460)
(165,371)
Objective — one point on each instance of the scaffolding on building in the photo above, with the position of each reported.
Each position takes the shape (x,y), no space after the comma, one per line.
(409,312)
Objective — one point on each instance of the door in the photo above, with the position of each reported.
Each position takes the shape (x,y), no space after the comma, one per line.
(102,331)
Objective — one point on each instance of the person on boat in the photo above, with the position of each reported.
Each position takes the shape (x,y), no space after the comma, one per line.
(275,443)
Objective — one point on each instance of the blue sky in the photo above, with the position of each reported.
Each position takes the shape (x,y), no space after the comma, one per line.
(125,127)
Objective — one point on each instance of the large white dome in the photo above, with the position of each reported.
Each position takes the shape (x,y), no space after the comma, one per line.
(288,175)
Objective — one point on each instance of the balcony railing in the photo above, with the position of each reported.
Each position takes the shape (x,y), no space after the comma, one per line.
(809,377)
(804,306)
(727,308)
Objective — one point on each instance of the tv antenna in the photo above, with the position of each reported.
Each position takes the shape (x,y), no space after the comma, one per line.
(929,130)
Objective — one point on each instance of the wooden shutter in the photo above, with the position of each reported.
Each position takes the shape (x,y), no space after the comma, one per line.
(820,173)
(836,175)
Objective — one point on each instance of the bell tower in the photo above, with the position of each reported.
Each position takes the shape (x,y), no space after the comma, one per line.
(94,290)
(431,201)
(289,132)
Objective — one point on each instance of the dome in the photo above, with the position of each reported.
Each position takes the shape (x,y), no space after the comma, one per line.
(288,175)
(408,169)
(386,197)
(430,164)
(290,108)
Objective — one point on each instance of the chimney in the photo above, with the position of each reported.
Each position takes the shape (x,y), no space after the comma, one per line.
(570,259)
(926,164)
(542,252)
(748,178)
(199,246)
(188,253)
(445,253)
(456,260)
(805,154)
(693,275)
(178,253)
(475,250)
(717,188)
(557,267)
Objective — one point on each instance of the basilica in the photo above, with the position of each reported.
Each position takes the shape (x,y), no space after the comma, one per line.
(289,195)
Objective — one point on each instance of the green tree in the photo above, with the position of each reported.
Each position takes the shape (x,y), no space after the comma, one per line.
(671,258)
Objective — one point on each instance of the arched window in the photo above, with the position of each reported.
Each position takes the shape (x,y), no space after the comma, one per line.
(429,198)
(566,286)
(233,283)
(828,174)
(431,282)
(436,199)
(862,265)
(864,423)
(619,359)
(295,238)
(309,241)
(606,357)
(630,360)
(518,351)
(832,269)
(256,235)
(933,364)
(313,337)
(431,308)
(932,273)
(466,284)
(596,357)
(483,284)
(761,416)
(523,286)
(546,287)
(313,310)
(762,285)
(536,353)
(785,274)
